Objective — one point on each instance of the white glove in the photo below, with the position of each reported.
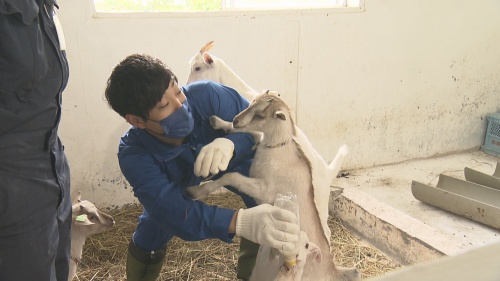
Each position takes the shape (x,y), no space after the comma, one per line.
(214,157)
(269,225)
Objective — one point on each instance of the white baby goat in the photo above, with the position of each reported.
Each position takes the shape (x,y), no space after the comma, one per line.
(269,265)
(86,220)
(204,66)
(280,166)
(208,67)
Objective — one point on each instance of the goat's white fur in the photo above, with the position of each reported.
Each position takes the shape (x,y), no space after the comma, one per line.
(280,166)
(204,66)
(95,222)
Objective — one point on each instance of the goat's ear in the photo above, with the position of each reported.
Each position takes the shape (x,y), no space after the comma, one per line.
(273,93)
(83,220)
(280,115)
(207,58)
(207,47)
(77,198)
(87,222)
(315,252)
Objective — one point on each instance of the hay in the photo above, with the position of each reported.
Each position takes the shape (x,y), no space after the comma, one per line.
(104,254)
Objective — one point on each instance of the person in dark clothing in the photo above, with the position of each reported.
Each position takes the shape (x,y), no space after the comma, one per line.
(170,146)
(35,208)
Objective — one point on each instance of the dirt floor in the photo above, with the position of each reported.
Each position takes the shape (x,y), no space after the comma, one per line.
(104,254)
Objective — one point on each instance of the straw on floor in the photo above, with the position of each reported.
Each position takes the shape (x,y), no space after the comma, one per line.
(104,254)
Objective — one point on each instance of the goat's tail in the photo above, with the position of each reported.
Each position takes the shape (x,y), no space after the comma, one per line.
(335,166)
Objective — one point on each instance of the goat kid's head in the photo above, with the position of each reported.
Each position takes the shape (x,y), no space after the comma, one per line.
(203,66)
(266,113)
(87,219)
(309,252)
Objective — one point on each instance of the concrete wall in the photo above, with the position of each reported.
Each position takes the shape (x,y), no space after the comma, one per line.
(396,80)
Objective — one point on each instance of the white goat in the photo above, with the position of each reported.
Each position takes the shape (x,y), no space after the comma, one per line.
(208,67)
(269,265)
(86,220)
(280,166)
(205,66)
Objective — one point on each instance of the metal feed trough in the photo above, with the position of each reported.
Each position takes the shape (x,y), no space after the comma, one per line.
(476,198)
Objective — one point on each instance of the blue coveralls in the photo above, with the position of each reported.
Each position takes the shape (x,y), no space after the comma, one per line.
(35,208)
(159,173)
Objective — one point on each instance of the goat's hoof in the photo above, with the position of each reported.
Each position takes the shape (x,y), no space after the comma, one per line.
(255,146)
(215,122)
(193,192)
(349,274)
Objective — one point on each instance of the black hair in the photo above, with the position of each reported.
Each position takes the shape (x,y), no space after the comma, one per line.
(137,84)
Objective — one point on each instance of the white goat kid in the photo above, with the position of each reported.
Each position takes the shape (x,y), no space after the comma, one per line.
(208,67)
(204,66)
(86,220)
(280,166)
(269,265)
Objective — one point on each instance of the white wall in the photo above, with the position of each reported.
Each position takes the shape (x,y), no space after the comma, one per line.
(397,80)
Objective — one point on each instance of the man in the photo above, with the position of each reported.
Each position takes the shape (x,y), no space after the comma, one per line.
(170,146)
(35,208)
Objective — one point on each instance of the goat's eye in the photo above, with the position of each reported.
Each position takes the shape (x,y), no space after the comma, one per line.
(307,245)
(197,68)
(259,117)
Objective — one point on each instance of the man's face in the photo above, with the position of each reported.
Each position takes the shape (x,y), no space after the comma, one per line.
(172,99)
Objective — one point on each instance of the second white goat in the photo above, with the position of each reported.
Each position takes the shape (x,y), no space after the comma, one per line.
(86,220)
(204,66)
(269,265)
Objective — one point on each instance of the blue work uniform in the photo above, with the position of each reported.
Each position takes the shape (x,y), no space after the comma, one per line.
(35,207)
(159,173)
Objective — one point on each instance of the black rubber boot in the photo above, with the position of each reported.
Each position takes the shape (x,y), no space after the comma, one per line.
(246,259)
(144,266)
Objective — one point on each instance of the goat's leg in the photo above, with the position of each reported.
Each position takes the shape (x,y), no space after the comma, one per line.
(219,124)
(203,190)
(336,165)
(250,186)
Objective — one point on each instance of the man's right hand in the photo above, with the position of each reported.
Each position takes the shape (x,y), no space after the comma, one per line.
(268,225)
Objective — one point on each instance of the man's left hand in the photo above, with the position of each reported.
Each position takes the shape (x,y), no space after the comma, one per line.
(214,157)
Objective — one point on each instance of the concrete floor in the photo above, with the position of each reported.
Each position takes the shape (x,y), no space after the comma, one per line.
(384,194)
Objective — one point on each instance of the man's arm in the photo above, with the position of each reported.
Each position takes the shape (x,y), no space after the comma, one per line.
(163,200)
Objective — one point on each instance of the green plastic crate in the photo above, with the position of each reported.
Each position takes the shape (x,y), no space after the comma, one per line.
(492,139)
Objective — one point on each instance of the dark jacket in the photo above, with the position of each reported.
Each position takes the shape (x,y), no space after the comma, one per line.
(33,74)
